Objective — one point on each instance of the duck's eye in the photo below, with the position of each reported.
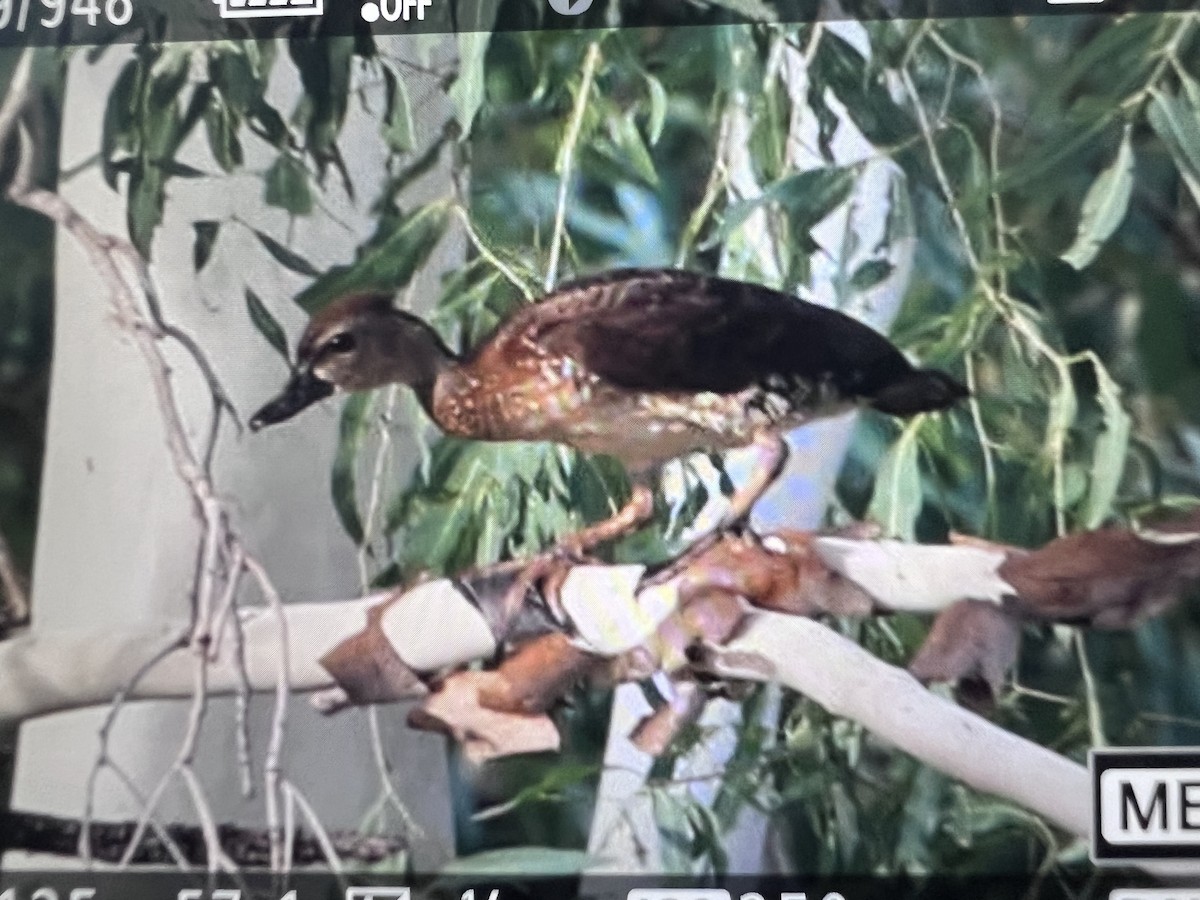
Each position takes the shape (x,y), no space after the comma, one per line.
(343,342)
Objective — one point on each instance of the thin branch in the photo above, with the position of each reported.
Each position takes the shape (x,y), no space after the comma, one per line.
(116,692)
(323,838)
(272,765)
(17,98)
(487,253)
(566,160)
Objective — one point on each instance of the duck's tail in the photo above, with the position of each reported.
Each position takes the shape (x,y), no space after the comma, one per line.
(921,390)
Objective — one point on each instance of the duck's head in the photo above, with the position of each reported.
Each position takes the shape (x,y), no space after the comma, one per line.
(358,343)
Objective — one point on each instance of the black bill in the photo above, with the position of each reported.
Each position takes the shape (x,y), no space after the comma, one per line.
(303,390)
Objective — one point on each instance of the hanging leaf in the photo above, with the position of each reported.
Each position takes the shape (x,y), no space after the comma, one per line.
(1104,206)
(147,194)
(658,109)
(1176,120)
(871,273)
(287,186)
(398,128)
(388,262)
(756,10)
(631,147)
(897,499)
(808,197)
(221,126)
(268,326)
(233,75)
(175,169)
(707,839)
(120,121)
(325,73)
(467,92)
(1112,446)
(268,124)
(286,257)
(202,247)
(344,481)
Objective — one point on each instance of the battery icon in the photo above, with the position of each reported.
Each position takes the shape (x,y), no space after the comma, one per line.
(269,9)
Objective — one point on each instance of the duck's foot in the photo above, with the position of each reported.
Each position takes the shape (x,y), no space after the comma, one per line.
(772,452)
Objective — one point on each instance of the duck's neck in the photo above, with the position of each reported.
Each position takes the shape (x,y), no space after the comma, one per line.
(416,355)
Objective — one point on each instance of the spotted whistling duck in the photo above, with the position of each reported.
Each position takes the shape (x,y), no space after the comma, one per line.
(643,365)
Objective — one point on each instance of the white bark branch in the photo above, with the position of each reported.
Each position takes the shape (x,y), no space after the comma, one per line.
(54,671)
(846,680)
(48,671)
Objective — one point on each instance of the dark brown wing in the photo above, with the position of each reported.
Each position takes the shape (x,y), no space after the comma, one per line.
(678,331)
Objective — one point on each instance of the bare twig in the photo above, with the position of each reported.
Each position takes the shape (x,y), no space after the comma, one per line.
(116,695)
(134,299)
(17,98)
(272,766)
(182,767)
(323,838)
(566,160)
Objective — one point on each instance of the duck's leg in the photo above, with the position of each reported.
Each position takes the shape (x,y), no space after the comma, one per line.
(573,549)
(636,512)
(772,452)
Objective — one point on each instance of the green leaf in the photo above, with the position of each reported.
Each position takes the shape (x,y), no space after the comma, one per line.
(221,126)
(287,186)
(159,115)
(1129,44)
(1176,120)
(751,9)
(175,169)
(387,263)
(286,257)
(324,67)
(550,788)
(234,76)
(841,67)
(658,109)
(897,499)
(1104,206)
(527,861)
(147,193)
(468,89)
(706,837)
(808,198)
(871,273)
(268,326)
(398,128)
(120,122)
(343,483)
(632,147)
(271,126)
(202,247)
(1112,446)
